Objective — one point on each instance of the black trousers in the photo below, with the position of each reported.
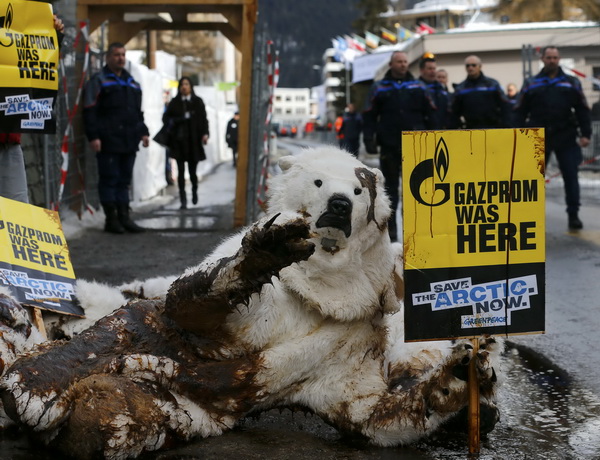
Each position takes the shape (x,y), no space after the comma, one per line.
(115,171)
(390,163)
(569,158)
(192,165)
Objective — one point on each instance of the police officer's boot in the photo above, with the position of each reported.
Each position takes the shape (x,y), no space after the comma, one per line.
(112,224)
(574,221)
(125,219)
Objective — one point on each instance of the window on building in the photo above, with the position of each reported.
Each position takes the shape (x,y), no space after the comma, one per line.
(288,111)
(278,111)
(300,98)
(300,110)
(288,98)
(278,98)
(596,74)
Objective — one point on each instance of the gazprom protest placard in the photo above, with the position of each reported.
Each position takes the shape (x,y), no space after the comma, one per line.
(29,57)
(474,234)
(34,258)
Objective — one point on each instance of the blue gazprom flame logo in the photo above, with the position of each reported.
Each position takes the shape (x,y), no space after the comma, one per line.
(440,165)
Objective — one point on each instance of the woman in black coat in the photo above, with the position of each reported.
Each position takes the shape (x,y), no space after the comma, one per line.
(186,115)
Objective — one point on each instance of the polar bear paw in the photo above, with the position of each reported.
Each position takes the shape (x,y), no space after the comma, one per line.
(268,248)
(447,391)
(487,354)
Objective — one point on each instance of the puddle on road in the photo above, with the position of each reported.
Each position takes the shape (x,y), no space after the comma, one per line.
(180,220)
(543,416)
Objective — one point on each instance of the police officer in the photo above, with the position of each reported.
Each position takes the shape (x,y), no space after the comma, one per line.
(114,126)
(442,76)
(349,134)
(555,101)
(512,95)
(396,103)
(439,94)
(479,101)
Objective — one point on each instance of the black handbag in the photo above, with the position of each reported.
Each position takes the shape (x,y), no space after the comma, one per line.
(163,137)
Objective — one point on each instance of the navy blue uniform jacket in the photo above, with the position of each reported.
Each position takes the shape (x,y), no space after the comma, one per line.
(113,111)
(482,103)
(556,104)
(396,105)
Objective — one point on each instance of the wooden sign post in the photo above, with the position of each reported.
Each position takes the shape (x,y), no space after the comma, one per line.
(474,415)
(38,321)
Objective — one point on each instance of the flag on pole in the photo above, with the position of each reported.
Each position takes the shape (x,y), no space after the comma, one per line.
(361,41)
(372,40)
(340,46)
(388,35)
(353,44)
(404,34)
(423,28)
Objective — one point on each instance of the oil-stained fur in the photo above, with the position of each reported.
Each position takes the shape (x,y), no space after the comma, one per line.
(286,313)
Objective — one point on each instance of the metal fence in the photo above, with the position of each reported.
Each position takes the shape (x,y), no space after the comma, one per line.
(591,153)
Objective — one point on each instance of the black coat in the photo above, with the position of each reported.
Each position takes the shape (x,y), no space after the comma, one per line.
(231,135)
(396,105)
(352,125)
(482,103)
(440,97)
(186,134)
(556,104)
(113,111)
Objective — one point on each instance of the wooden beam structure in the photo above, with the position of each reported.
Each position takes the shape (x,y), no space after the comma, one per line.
(238,26)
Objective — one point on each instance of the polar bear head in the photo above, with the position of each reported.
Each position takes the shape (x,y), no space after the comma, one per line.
(346,207)
(342,199)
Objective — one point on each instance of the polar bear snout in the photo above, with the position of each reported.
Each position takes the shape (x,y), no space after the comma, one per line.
(338,214)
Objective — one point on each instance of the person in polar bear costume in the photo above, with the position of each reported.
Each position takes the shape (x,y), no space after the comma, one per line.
(301,309)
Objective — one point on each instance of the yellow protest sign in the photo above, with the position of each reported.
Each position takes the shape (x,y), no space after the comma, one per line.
(29,56)
(34,257)
(474,235)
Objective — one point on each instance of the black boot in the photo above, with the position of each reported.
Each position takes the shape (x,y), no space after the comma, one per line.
(195,195)
(574,221)
(112,224)
(125,219)
(182,199)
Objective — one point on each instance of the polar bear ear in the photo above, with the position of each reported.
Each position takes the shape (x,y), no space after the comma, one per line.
(379,174)
(286,162)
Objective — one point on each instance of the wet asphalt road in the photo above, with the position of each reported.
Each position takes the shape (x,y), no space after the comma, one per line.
(549,409)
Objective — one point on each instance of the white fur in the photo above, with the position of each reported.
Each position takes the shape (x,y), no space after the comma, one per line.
(326,333)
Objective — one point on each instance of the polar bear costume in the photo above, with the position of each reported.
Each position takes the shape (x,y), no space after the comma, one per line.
(300,309)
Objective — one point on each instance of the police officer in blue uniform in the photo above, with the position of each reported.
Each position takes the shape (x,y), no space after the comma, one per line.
(555,101)
(396,103)
(439,94)
(479,101)
(114,126)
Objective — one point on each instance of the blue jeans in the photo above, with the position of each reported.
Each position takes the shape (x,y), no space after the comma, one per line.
(569,158)
(115,171)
